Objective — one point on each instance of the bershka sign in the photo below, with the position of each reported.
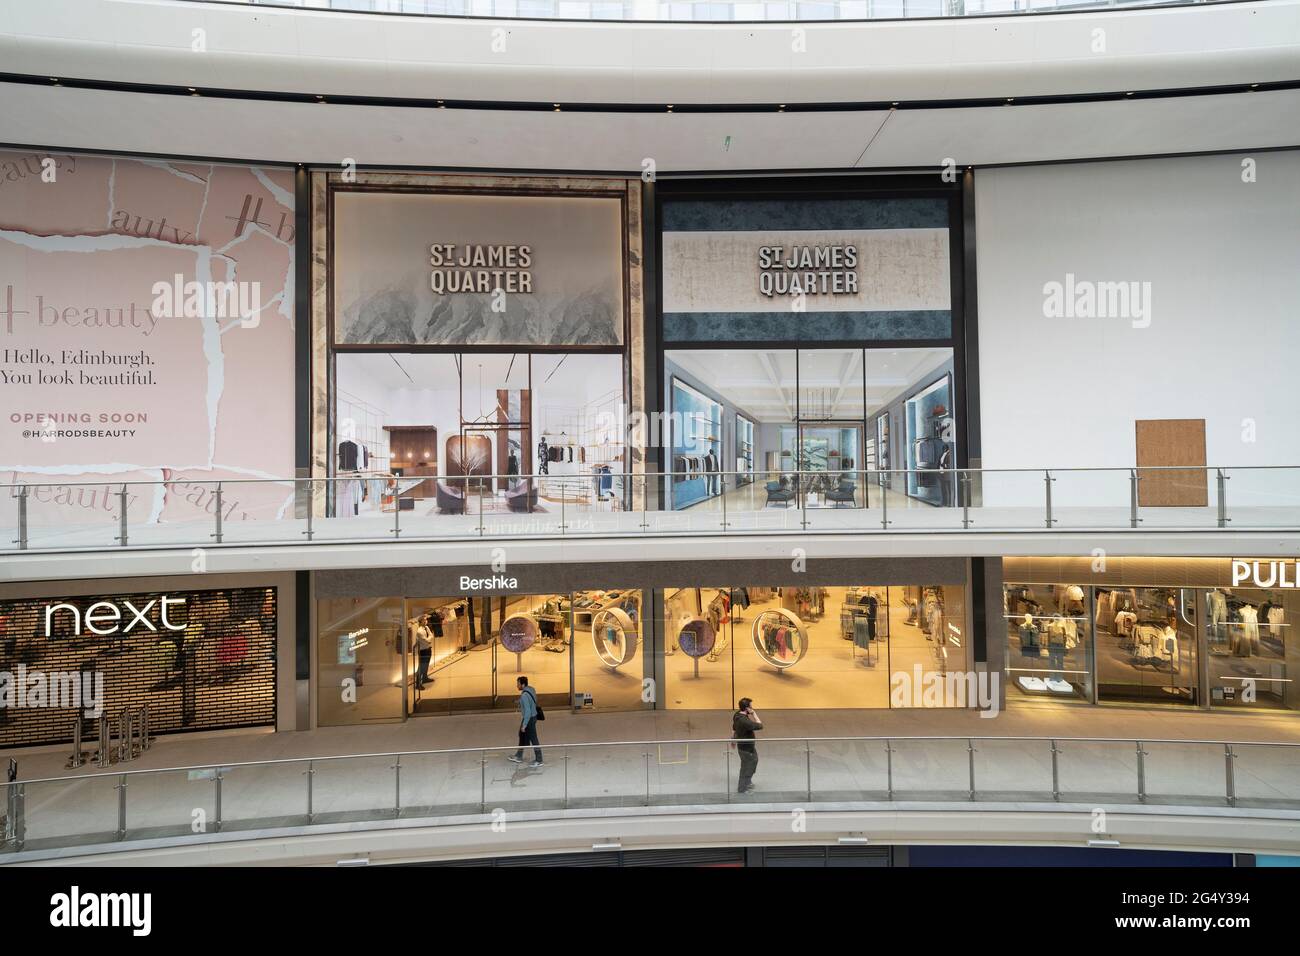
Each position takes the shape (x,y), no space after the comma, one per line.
(1266,574)
(497,581)
(105,617)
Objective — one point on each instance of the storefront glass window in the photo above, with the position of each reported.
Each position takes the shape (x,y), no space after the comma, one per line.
(1049,642)
(385,658)
(814,647)
(1146,646)
(831,413)
(1251,651)
(442,422)
(727,411)
(609,650)
(359,660)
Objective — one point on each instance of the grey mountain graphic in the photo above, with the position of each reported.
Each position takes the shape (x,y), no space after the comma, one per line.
(392,316)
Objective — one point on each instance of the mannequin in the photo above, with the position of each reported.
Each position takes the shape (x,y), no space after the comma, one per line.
(1247,637)
(1029,645)
(1217,606)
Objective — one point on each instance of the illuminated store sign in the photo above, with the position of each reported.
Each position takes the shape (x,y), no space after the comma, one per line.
(1266,574)
(104,617)
(482,584)
(200,660)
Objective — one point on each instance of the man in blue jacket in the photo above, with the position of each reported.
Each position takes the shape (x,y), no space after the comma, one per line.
(527,724)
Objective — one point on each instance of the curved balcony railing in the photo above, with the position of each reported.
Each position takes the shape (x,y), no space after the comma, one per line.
(378,506)
(715,11)
(113,806)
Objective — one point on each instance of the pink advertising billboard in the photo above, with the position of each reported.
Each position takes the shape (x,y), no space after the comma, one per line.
(146,334)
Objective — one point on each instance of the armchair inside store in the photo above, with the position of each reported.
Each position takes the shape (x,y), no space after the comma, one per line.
(1171,631)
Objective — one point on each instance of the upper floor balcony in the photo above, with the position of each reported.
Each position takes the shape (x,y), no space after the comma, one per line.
(391,516)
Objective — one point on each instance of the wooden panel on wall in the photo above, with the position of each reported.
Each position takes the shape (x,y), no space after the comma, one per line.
(1170,442)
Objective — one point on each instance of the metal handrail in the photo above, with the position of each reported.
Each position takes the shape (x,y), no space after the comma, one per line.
(882,738)
(63,827)
(632,12)
(587,478)
(952,492)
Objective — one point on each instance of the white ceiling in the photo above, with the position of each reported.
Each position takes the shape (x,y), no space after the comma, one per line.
(396,58)
(329,134)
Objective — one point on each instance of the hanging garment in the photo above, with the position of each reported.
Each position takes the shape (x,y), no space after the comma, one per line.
(1070,600)
(1147,641)
(348,496)
(862,629)
(1247,638)
(347,456)
(1124,623)
(1276,620)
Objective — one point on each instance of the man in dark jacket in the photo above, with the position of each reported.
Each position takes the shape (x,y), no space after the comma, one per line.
(743,724)
(527,724)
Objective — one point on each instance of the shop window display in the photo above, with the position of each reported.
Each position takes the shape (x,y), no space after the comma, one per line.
(421,431)
(461,654)
(809,424)
(931,444)
(1251,653)
(809,646)
(609,648)
(1146,646)
(1049,642)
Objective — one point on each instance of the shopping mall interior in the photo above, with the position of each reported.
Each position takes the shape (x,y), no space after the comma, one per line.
(644,420)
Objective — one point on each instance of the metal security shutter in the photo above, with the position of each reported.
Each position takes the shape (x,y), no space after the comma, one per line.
(561,859)
(858,856)
(826,856)
(710,857)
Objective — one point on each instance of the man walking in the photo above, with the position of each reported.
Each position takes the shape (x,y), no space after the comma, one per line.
(743,724)
(529,714)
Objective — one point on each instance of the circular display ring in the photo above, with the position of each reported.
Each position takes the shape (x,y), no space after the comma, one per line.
(696,638)
(518,633)
(780,654)
(614,621)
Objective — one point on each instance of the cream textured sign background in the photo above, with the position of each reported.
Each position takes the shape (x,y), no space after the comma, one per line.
(898,270)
